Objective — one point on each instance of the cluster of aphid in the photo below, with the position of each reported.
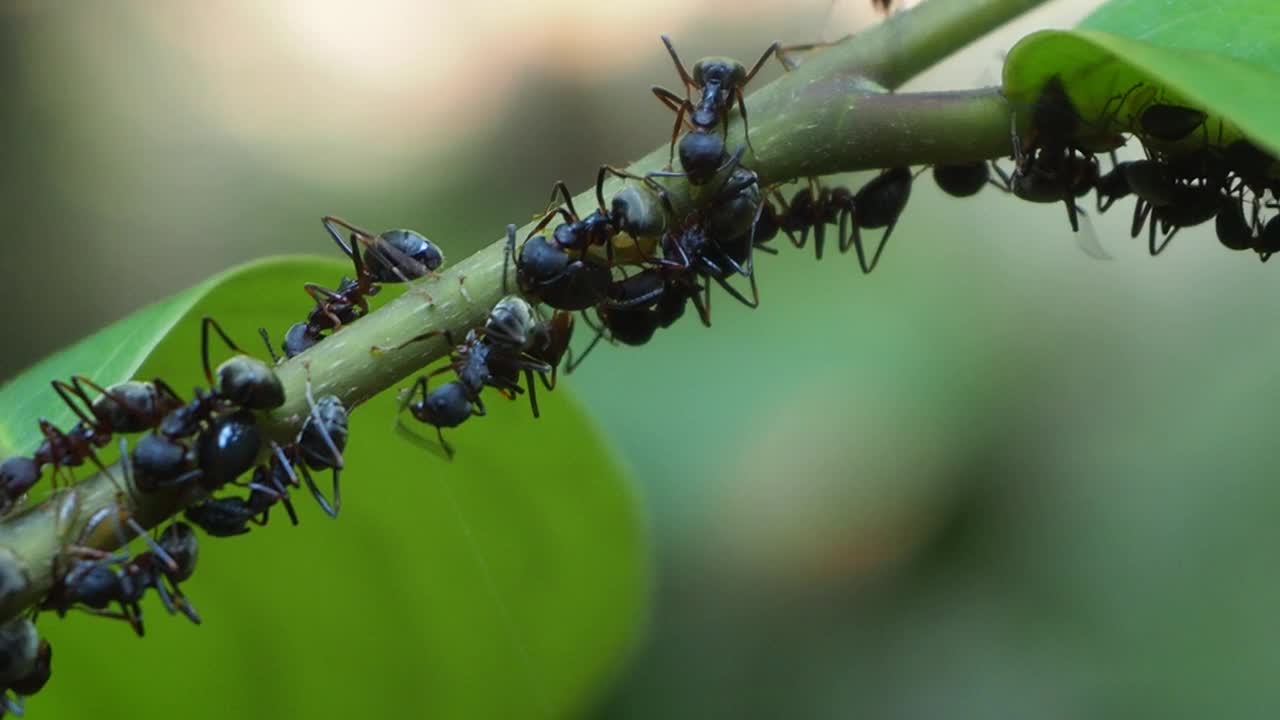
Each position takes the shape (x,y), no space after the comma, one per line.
(630,267)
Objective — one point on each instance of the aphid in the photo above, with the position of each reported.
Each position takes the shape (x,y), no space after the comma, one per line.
(963,179)
(718,81)
(877,204)
(448,406)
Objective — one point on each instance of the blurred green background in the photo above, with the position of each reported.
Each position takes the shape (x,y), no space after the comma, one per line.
(997,478)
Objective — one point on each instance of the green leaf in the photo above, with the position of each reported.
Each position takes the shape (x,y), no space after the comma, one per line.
(1221,57)
(510,582)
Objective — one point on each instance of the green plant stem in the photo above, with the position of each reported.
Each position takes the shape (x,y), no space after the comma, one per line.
(818,120)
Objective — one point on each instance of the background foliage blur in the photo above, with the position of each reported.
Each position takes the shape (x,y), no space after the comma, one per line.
(995,478)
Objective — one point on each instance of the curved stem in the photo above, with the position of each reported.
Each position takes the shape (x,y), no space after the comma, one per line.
(818,120)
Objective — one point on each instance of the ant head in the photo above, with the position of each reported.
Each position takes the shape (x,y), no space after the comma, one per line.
(298,338)
(242,380)
(722,71)
(250,383)
(701,155)
(570,235)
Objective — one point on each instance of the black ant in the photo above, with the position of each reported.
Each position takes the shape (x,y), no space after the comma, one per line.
(718,82)
(229,516)
(394,256)
(1036,180)
(814,206)
(1169,200)
(126,407)
(99,579)
(448,406)
(227,445)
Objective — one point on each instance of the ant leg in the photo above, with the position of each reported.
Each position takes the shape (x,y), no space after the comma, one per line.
(378,349)
(1140,210)
(1070,202)
(703,305)
(1151,239)
(321,500)
(884,240)
(1006,182)
(547,218)
(165,598)
(507,254)
(610,170)
(180,601)
(572,363)
(684,74)
(330,222)
(680,107)
(205,323)
(266,340)
(448,449)
(737,294)
(66,391)
(567,200)
(742,110)
(533,392)
(771,50)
